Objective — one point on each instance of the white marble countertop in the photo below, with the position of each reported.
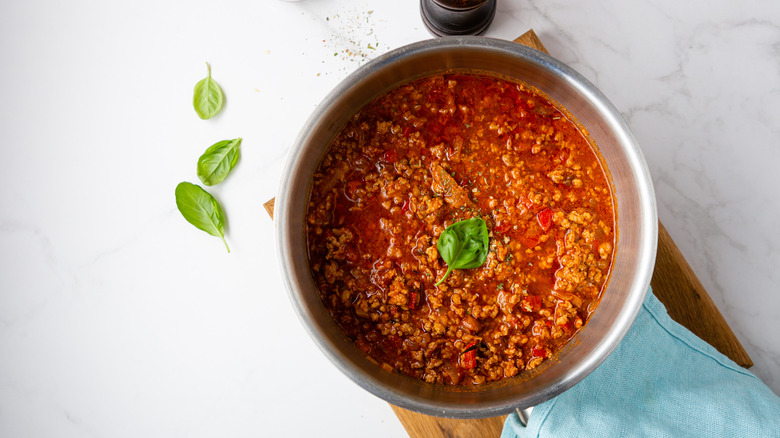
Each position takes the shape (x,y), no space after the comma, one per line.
(119,319)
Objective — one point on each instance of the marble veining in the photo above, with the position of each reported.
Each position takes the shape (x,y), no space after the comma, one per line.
(119,319)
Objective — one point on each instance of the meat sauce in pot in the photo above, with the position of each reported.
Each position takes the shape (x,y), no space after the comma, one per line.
(434,152)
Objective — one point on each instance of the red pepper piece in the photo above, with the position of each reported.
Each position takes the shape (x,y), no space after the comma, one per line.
(545,218)
(390,156)
(412,300)
(468,359)
(538,351)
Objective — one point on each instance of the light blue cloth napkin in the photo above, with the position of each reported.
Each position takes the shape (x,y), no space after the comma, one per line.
(661,381)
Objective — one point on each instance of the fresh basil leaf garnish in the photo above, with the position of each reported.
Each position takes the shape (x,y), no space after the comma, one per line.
(201,209)
(208,97)
(218,160)
(464,245)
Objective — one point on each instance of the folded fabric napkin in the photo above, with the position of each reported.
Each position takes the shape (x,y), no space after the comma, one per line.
(661,381)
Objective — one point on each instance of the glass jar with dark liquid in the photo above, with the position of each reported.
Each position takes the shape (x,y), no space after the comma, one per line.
(457,17)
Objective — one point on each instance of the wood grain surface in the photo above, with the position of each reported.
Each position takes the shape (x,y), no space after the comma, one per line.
(674,283)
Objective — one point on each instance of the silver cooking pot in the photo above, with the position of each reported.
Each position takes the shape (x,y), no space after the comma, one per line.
(636,218)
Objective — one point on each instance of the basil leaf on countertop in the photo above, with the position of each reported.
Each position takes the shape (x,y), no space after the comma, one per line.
(464,245)
(218,160)
(201,209)
(208,97)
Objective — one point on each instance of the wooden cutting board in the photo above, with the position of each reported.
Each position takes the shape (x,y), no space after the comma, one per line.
(673,282)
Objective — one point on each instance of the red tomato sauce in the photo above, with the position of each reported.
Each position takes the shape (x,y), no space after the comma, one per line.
(434,152)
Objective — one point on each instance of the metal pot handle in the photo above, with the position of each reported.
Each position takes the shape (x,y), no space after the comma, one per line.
(524,414)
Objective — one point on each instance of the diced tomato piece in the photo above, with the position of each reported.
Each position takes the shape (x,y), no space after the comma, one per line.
(405,207)
(525,203)
(538,351)
(532,302)
(545,218)
(468,359)
(391,156)
(394,314)
(502,228)
(351,187)
(393,341)
(529,241)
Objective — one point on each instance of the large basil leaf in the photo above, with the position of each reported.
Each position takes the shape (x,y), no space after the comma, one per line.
(464,245)
(201,209)
(208,97)
(218,160)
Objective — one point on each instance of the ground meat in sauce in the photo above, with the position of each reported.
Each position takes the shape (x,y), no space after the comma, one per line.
(434,152)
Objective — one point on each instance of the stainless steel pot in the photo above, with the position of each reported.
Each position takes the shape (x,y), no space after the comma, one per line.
(636,217)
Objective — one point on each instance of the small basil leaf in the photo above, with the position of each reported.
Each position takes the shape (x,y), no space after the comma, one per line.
(218,160)
(201,209)
(464,245)
(208,97)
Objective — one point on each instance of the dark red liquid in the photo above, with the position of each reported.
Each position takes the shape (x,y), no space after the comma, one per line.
(461,3)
